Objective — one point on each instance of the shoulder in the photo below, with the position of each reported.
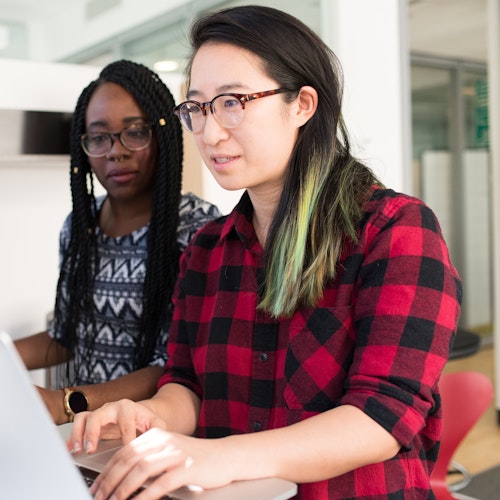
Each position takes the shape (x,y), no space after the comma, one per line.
(212,234)
(192,206)
(388,201)
(387,207)
(194,213)
(65,234)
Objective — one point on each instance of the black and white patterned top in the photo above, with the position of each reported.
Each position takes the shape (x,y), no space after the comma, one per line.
(118,293)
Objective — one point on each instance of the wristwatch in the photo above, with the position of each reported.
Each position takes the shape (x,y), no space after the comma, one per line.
(74,401)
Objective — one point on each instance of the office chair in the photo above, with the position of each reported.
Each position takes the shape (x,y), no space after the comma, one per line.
(466,343)
(465,397)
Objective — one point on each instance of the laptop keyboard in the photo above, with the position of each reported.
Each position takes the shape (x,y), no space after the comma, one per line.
(88,475)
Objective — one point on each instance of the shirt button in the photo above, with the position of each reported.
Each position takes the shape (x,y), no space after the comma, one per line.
(263,356)
(257,426)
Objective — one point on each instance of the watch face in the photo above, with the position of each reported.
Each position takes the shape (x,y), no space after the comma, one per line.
(77,402)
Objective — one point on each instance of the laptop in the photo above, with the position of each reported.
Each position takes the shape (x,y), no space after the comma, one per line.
(34,461)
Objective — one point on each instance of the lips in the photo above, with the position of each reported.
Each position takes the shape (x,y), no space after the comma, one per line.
(122,175)
(221,162)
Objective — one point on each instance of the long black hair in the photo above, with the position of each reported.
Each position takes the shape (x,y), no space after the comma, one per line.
(323,179)
(75,289)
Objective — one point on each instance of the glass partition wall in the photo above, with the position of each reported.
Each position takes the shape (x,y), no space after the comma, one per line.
(451,168)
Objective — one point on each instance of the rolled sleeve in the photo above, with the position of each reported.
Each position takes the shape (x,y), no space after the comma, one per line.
(405,316)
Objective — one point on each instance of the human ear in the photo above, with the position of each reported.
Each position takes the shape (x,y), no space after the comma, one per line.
(306,104)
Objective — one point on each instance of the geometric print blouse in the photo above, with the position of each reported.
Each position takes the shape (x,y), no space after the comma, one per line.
(118,294)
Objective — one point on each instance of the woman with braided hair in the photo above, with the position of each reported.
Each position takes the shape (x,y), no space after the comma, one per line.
(119,252)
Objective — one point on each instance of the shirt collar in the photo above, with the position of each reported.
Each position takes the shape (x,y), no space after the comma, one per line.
(239,221)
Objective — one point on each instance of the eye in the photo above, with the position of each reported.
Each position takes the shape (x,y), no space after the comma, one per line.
(231,103)
(97,139)
(137,131)
(192,109)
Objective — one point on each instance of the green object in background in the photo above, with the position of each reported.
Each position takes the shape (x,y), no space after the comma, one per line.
(482,136)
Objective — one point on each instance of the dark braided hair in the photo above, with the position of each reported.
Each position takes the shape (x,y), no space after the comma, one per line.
(75,287)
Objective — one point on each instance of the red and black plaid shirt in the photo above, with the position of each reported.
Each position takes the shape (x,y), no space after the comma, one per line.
(378,340)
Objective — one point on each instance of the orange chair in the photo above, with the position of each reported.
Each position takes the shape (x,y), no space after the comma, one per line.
(465,397)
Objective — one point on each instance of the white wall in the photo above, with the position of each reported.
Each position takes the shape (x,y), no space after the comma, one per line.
(34,196)
(42,86)
(374,53)
(34,199)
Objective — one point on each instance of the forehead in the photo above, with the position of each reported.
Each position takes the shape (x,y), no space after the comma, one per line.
(111,91)
(220,67)
(110,100)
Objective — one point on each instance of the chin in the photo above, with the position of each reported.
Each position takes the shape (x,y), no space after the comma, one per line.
(231,186)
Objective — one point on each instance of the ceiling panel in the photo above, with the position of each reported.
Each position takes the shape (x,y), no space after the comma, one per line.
(449,28)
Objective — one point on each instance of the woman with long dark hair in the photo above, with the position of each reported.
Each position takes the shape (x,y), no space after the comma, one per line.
(120,251)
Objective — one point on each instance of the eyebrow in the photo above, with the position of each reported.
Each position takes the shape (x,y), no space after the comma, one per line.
(126,121)
(230,87)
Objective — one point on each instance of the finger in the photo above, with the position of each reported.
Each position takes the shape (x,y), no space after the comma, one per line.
(170,480)
(143,460)
(104,418)
(158,488)
(126,472)
(74,442)
(94,422)
(127,417)
(109,480)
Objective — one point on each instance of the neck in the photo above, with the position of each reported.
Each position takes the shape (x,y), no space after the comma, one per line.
(264,209)
(119,218)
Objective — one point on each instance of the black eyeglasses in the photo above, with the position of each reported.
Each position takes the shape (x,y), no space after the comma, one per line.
(134,137)
(226,108)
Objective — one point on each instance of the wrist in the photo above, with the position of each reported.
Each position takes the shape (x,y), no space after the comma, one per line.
(52,400)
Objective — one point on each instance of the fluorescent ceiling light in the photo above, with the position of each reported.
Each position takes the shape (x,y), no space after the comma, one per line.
(166,66)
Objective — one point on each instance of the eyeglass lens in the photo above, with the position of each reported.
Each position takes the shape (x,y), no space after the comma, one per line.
(136,137)
(226,108)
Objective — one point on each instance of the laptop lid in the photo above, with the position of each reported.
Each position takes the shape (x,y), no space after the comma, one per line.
(34,461)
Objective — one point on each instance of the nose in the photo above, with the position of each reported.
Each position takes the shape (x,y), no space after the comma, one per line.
(117,148)
(213,132)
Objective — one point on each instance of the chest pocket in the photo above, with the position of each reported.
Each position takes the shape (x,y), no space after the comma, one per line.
(318,357)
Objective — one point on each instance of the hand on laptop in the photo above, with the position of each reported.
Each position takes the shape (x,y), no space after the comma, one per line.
(123,420)
(164,460)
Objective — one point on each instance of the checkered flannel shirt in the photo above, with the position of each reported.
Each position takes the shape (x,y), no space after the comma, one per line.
(378,340)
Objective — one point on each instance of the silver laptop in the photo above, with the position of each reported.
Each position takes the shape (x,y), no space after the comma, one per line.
(34,461)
